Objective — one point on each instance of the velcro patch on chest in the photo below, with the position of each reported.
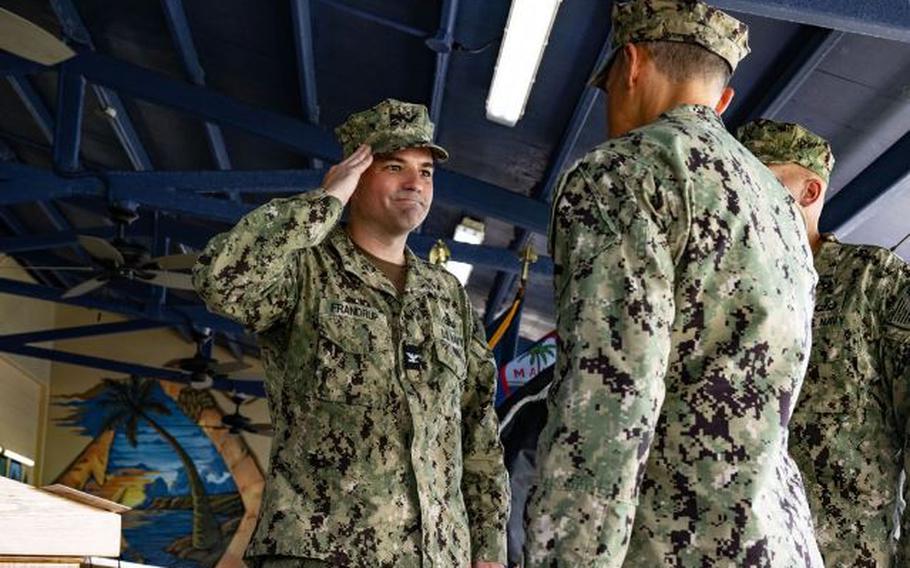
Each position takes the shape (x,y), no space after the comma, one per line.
(900,314)
(451,336)
(350,310)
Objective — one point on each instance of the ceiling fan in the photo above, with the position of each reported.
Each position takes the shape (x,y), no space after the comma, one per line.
(235,422)
(29,41)
(120,258)
(202,368)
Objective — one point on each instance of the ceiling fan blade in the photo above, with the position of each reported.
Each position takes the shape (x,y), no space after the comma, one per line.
(174,262)
(261,429)
(176,363)
(85,287)
(101,249)
(229,367)
(173,280)
(25,39)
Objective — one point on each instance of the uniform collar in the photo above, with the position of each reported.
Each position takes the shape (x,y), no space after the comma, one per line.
(417,281)
(701,111)
(825,259)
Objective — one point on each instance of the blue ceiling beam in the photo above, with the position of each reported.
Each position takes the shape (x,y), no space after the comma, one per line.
(157,295)
(123,128)
(68,132)
(61,334)
(488,200)
(199,101)
(173,315)
(26,184)
(254,388)
(481,198)
(75,31)
(94,362)
(504,282)
(844,211)
(34,104)
(888,19)
(474,195)
(811,48)
(179,25)
(442,45)
(43,148)
(15,226)
(45,122)
(42,117)
(376,18)
(493,258)
(306,60)
(287,182)
(184,203)
(301,17)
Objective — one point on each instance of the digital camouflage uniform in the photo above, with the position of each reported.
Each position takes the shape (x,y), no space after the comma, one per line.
(684,301)
(386,451)
(849,432)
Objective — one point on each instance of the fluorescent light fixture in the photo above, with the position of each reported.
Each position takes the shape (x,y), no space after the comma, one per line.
(468,231)
(18,458)
(526,35)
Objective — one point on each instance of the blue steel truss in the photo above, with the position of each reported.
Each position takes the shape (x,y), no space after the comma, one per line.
(177,198)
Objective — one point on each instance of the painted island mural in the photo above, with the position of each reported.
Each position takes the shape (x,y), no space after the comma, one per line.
(160,448)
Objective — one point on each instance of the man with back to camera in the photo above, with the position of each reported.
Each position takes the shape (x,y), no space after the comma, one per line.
(380,385)
(849,430)
(684,302)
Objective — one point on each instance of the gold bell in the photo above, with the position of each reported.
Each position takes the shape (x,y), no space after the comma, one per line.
(440,253)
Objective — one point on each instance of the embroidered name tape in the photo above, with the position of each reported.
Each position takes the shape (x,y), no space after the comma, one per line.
(346,309)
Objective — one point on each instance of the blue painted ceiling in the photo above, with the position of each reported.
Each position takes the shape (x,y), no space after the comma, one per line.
(852,88)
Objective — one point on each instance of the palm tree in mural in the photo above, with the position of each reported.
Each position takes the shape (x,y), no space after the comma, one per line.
(130,401)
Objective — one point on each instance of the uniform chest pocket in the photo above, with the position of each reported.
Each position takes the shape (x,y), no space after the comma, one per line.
(451,362)
(353,360)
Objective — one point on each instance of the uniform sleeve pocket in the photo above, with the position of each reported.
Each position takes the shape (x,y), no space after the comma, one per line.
(584,243)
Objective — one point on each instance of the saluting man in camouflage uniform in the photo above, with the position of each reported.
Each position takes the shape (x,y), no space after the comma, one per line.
(379,382)
(849,432)
(684,286)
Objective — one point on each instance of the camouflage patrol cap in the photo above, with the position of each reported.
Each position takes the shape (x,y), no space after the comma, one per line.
(389,126)
(682,21)
(785,142)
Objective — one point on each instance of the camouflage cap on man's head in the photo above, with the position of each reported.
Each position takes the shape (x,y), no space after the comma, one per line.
(785,142)
(682,21)
(390,126)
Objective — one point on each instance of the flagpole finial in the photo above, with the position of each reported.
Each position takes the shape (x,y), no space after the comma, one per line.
(528,257)
(440,253)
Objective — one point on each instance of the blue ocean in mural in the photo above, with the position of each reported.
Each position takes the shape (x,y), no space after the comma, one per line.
(156,531)
(145,470)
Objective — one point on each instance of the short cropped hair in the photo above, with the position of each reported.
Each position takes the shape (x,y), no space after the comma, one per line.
(687,61)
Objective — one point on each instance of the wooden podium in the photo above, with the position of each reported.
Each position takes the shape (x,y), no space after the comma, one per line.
(55,526)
